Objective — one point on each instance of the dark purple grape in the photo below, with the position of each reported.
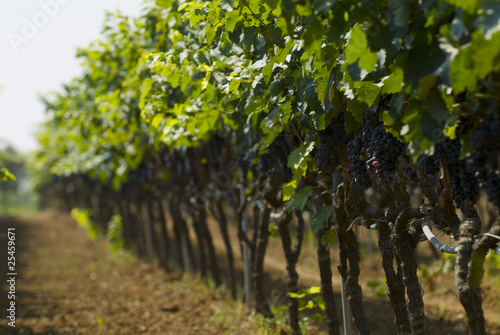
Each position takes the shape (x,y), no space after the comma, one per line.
(448,150)
(465,187)
(384,151)
(357,158)
(331,139)
(266,164)
(484,162)
(429,164)
(280,150)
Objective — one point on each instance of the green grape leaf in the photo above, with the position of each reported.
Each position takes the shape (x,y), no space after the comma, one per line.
(486,56)
(318,318)
(394,82)
(290,187)
(367,92)
(299,200)
(357,48)
(6,175)
(320,302)
(277,87)
(462,71)
(297,156)
(298,295)
(467,5)
(322,216)
(308,305)
(314,290)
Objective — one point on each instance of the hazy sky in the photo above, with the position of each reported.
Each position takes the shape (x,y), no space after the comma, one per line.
(38,41)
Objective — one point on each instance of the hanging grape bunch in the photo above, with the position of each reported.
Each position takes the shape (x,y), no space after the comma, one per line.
(384,153)
(484,161)
(280,150)
(331,139)
(429,164)
(464,187)
(374,151)
(357,152)
(266,164)
(357,168)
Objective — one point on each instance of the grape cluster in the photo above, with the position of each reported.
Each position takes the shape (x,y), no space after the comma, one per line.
(484,162)
(464,124)
(448,150)
(357,168)
(374,151)
(357,149)
(330,139)
(266,164)
(337,125)
(465,187)
(429,164)
(491,183)
(485,140)
(371,119)
(383,153)
(280,150)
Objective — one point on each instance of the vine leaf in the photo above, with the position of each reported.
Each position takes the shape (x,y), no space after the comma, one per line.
(297,156)
(299,199)
(357,48)
(467,5)
(321,217)
(367,92)
(6,175)
(394,82)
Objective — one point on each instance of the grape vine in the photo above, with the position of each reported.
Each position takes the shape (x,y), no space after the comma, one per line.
(258,105)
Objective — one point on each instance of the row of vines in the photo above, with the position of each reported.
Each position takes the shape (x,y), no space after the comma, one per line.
(281,107)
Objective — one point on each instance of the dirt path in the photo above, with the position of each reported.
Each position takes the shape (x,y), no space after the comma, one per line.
(67,284)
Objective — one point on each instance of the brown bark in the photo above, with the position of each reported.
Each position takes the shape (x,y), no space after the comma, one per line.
(292,256)
(261,302)
(201,221)
(325,270)
(394,282)
(138,230)
(405,245)
(469,294)
(164,231)
(127,229)
(202,248)
(348,267)
(157,238)
(182,232)
(222,219)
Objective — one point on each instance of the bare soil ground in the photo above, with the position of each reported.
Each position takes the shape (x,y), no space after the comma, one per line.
(67,284)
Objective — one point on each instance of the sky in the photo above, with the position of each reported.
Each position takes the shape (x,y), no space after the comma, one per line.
(38,43)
